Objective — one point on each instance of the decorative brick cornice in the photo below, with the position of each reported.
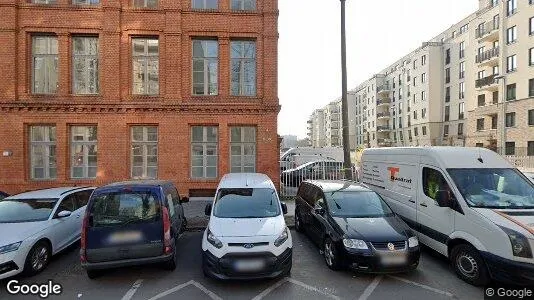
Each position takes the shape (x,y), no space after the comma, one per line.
(133,108)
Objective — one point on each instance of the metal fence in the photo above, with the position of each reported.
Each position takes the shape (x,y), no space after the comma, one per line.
(290,180)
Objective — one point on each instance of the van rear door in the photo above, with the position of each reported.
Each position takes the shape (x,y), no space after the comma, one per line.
(124,224)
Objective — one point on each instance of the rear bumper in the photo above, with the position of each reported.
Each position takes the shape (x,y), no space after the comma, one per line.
(126,262)
(509,271)
(223,268)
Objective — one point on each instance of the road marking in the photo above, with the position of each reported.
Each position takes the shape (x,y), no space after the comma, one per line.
(132,290)
(211,294)
(426,287)
(370,288)
(296,282)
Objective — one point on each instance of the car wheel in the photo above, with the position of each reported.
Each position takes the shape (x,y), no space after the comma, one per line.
(331,256)
(298,222)
(170,265)
(93,274)
(184,225)
(469,265)
(38,258)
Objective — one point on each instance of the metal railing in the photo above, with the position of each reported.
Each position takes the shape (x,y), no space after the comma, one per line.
(486,29)
(383,101)
(383,88)
(486,81)
(487,55)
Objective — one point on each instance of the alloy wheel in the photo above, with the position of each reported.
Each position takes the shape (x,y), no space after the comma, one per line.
(40,258)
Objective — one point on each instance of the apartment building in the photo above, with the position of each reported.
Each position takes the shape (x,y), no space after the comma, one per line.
(316,127)
(95,91)
(332,124)
(472,85)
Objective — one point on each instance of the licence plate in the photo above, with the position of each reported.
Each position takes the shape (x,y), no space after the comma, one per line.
(249,265)
(393,260)
(125,237)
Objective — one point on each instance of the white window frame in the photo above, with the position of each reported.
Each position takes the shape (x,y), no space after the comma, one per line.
(47,59)
(242,61)
(204,4)
(144,143)
(46,144)
(205,144)
(243,144)
(207,62)
(86,2)
(145,60)
(145,4)
(85,143)
(241,4)
(86,66)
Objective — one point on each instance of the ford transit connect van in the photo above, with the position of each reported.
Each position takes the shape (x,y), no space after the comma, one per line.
(247,236)
(468,204)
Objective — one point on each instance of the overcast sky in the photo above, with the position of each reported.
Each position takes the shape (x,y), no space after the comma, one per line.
(379,32)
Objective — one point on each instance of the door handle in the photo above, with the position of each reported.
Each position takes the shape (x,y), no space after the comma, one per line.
(413,201)
(424,204)
(77,216)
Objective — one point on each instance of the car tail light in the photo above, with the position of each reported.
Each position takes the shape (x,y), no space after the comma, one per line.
(83,238)
(166,231)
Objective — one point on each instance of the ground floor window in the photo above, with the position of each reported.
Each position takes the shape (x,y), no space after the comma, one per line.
(83,151)
(204,151)
(43,152)
(144,160)
(242,149)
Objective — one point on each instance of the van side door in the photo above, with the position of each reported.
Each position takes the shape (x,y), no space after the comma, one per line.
(435,223)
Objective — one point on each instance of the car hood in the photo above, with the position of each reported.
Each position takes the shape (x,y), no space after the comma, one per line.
(385,229)
(16,232)
(510,218)
(230,227)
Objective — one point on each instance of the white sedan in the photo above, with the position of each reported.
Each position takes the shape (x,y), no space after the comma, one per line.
(36,225)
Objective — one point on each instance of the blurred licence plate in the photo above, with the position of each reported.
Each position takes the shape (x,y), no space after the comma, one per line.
(393,260)
(249,265)
(125,237)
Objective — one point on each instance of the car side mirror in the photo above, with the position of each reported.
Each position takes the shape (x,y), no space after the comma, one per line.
(444,199)
(207,210)
(63,214)
(284,208)
(184,200)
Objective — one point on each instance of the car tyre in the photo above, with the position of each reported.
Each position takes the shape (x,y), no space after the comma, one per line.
(93,274)
(38,258)
(331,255)
(469,265)
(298,222)
(184,225)
(170,265)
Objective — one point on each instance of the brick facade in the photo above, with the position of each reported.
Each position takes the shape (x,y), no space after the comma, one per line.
(115,109)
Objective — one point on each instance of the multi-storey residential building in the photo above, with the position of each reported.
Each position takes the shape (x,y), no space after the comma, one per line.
(316,127)
(106,90)
(471,85)
(332,124)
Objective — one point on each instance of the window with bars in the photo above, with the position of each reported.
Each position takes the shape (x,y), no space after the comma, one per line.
(43,152)
(44,64)
(144,160)
(83,151)
(243,66)
(145,66)
(205,67)
(204,151)
(242,149)
(85,65)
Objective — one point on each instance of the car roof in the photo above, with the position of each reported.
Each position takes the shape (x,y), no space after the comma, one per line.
(137,183)
(52,193)
(246,180)
(339,185)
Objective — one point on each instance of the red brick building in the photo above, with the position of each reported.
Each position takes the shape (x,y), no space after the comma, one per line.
(95,91)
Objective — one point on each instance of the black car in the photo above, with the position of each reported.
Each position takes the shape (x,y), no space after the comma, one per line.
(312,170)
(3,195)
(132,223)
(355,228)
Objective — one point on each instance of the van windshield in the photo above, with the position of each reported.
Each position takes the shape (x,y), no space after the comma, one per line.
(120,208)
(246,203)
(494,188)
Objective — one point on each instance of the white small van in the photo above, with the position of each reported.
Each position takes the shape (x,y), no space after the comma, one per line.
(468,204)
(308,154)
(247,236)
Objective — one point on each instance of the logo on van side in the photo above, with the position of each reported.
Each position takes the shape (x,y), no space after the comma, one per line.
(392,175)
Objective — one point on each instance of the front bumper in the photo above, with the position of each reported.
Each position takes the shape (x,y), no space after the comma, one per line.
(509,271)
(126,262)
(369,261)
(12,263)
(223,268)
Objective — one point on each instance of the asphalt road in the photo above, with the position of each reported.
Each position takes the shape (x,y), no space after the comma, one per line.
(310,279)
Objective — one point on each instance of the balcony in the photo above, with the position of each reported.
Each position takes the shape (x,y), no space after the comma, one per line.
(383,128)
(488,32)
(488,58)
(382,115)
(386,101)
(487,83)
(383,89)
(384,142)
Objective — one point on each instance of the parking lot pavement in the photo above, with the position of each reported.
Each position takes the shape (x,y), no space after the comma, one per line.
(310,279)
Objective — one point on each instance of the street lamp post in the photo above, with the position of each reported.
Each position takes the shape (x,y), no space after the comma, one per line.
(502,79)
(344,103)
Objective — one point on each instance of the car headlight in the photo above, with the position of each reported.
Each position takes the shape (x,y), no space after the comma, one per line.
(520,244)
(213,240)
(282,238)
(355,244)
(10,247)
(413,242)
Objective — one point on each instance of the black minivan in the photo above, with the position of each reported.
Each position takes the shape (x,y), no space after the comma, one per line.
(355,228)
(132,223)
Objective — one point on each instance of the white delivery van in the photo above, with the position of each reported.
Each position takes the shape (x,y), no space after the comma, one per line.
(321,153)
(468,204)
(247,236)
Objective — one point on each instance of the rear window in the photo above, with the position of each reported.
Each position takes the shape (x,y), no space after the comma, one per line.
(120,208)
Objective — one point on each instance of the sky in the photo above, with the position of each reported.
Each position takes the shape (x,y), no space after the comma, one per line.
(379,32)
